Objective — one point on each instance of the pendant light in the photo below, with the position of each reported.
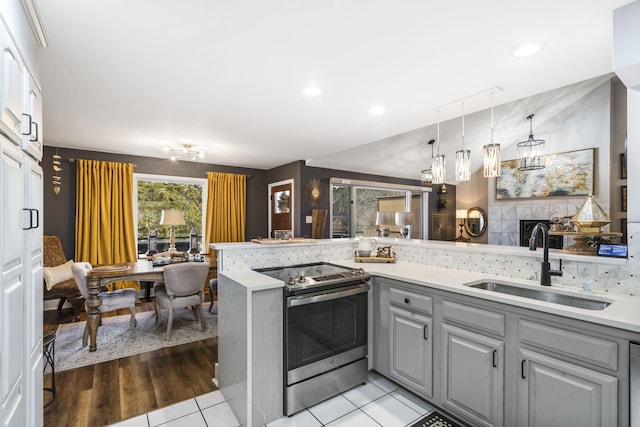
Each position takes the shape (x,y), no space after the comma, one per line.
(463,159)
(491,153)
(438,164)
(531,151)
(426,176)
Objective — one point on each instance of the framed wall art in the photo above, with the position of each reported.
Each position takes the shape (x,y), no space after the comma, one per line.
(564,174)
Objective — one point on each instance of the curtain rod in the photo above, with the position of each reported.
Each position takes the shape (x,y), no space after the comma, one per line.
(73,160)
(245,174)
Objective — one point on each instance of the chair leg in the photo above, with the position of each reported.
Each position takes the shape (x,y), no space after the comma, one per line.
(133,322)
(169,323)
(61,303)
(202,321)
(158,313)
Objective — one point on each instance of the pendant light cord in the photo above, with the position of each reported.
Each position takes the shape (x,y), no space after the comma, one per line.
(492,118)
(438,133)
(462,125)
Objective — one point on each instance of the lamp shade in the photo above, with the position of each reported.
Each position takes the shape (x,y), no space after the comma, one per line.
(461,214)
(385,218)
(404,218)
(172,217)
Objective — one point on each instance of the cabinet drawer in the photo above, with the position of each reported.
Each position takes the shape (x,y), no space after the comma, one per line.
(407,299)
(474,317)
(572,344)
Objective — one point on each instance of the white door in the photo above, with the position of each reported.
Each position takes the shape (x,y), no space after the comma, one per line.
(552,392)
(12,270)
(411,350)
(32,126)
(473,375)
(33,292)
(11,88)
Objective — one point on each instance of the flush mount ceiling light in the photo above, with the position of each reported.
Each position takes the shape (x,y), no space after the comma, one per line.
(187,152)
(463,159)
(531,151)
(527,50)
(312,91)
(438,166)
(376,110)
(491,154)
(426,176)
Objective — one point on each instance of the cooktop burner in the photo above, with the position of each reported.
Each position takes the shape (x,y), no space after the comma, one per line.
(315,276)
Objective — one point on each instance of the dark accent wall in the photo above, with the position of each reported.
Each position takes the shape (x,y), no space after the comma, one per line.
(59,210)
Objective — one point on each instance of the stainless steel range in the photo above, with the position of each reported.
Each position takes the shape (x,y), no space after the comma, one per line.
(325,331)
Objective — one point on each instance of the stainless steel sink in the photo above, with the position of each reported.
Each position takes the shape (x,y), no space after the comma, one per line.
(542,295)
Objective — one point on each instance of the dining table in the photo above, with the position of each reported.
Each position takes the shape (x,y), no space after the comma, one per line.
(103,275)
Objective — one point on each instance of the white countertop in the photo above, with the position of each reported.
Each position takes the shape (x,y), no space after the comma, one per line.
(623,313)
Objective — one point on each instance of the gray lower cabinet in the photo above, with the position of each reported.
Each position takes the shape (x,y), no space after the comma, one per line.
(494,364)
(411,350)
(473,375)
(552,392)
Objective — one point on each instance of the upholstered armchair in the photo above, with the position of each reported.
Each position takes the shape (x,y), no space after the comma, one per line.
(67,290)
(111,300)
(183,286)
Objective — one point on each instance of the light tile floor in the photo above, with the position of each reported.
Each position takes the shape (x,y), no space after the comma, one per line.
(378,403)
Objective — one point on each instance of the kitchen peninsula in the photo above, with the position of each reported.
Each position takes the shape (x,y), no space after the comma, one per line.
(520,335)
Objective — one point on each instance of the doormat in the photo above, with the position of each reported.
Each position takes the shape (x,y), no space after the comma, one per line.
(436,419)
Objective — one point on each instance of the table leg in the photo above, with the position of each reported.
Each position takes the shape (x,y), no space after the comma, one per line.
(93,310)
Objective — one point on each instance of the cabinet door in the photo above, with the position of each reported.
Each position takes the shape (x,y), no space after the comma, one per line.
(32,127)
(552,392)
(411,350)
(12,85)
(33,293)
(473,375)
(12,279)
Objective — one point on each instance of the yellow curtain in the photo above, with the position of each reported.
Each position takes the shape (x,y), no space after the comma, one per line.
(104,213)
(226,208)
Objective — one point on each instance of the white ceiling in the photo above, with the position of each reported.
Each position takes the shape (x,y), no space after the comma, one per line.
(132,77)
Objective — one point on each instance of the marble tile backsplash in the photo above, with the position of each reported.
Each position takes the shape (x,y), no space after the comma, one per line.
(610,278)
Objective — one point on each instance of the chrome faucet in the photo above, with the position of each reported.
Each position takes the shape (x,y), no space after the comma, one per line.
(546,272)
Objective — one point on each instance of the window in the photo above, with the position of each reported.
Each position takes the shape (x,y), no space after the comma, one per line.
(153,193)
(354,205)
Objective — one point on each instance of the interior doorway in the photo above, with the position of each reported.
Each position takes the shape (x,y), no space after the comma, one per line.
(281,211)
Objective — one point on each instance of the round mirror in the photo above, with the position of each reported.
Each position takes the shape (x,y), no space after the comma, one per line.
(476,222)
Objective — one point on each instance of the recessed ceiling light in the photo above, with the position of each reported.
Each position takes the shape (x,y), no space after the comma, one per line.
(527,50)
(312,91)
(376,110)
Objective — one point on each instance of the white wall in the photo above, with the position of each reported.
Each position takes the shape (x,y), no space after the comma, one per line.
(585,123)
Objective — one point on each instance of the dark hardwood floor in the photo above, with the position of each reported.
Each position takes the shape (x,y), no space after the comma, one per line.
(109,392)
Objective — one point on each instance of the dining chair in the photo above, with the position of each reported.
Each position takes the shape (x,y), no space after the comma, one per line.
(111,300)
(183,286)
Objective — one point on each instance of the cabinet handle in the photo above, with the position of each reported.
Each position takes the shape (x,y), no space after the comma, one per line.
(425,332)
(522,366)
(37,218)
(407,301)
(30,122)
(36,138)
(30,219)
(495,362)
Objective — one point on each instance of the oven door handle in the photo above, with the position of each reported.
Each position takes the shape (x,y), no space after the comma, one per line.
(295,301)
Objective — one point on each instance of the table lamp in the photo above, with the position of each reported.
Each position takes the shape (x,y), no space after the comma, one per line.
(461,214)
(404,219)
(172,217)
(383,219)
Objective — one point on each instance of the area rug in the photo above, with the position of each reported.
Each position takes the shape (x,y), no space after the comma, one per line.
(436,419)
(115,340)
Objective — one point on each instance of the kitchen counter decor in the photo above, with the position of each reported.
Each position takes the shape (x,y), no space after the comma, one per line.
(384,254)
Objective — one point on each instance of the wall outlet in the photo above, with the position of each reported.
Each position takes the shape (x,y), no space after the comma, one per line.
(309,219)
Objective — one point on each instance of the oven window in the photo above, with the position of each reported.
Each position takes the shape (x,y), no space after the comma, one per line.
(320,330)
